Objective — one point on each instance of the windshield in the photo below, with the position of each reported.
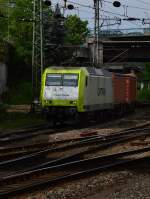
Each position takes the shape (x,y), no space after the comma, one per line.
(53,80)
(62,80)
(70,80)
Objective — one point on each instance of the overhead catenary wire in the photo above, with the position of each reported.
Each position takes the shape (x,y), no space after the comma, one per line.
(92,7)
(89,6)
(103,10)
(129,6)
(119,55)
(113,13)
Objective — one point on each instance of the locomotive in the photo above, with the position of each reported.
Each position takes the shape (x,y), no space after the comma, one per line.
(81,92)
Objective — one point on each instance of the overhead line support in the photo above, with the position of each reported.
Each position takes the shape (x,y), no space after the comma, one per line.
(37,49)
(98,48)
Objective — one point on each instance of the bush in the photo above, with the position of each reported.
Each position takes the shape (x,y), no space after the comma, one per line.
(2,111)
(144,94)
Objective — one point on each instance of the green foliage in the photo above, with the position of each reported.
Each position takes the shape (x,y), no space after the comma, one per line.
(144,95)
(146,72)
(20,94)
(21,31)
(2,110)
(76,30)
(2,50)
(3,20)
(15,30)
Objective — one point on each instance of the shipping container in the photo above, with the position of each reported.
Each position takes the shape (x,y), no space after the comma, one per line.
(124,88)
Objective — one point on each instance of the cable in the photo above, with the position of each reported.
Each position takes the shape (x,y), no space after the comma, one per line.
(130,6)
(83,5)
(105,11)
(112,13)
(119,55)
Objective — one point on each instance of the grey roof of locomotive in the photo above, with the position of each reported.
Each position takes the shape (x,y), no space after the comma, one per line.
(98,72)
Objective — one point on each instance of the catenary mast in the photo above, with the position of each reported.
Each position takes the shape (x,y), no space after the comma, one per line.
(37,48)
(97,52)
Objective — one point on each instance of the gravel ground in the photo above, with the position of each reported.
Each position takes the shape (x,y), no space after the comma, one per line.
(81,188)
(138,187)
(130,185)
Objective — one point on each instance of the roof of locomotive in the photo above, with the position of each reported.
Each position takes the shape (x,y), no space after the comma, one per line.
(98,71)
(90,70)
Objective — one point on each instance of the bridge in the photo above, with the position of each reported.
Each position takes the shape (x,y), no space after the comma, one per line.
(124,32)
(127,45)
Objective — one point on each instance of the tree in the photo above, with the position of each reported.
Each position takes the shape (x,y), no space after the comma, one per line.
(21,29)
(3,20)
(146,72)
(76,30)
(16,27)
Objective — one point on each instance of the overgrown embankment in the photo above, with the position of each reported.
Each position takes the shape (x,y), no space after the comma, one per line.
(144,91)
(18,75)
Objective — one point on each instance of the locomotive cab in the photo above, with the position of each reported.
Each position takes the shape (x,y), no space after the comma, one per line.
(60,87)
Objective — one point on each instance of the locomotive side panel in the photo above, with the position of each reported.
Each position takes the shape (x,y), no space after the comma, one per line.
(98,93)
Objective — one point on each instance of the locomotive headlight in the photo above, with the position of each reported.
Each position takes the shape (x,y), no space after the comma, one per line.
(73,102)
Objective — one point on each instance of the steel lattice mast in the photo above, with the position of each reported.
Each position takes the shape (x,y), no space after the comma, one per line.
(97,56)
(37,48)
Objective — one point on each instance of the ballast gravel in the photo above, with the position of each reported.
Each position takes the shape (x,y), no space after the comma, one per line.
(106,185)
(138,187)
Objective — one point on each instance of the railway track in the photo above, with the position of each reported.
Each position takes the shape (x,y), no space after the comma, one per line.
(55,174)
(19,167)
(20,150)
(27,129)
(9,138)
(72,151)
(10,141)
(35,149)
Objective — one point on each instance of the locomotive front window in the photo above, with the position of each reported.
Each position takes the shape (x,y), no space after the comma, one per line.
(70,80)
(54,80)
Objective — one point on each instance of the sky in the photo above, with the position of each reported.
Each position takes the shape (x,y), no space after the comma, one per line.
(129,8)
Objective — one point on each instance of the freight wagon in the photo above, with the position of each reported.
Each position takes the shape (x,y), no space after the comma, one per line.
(85,91)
